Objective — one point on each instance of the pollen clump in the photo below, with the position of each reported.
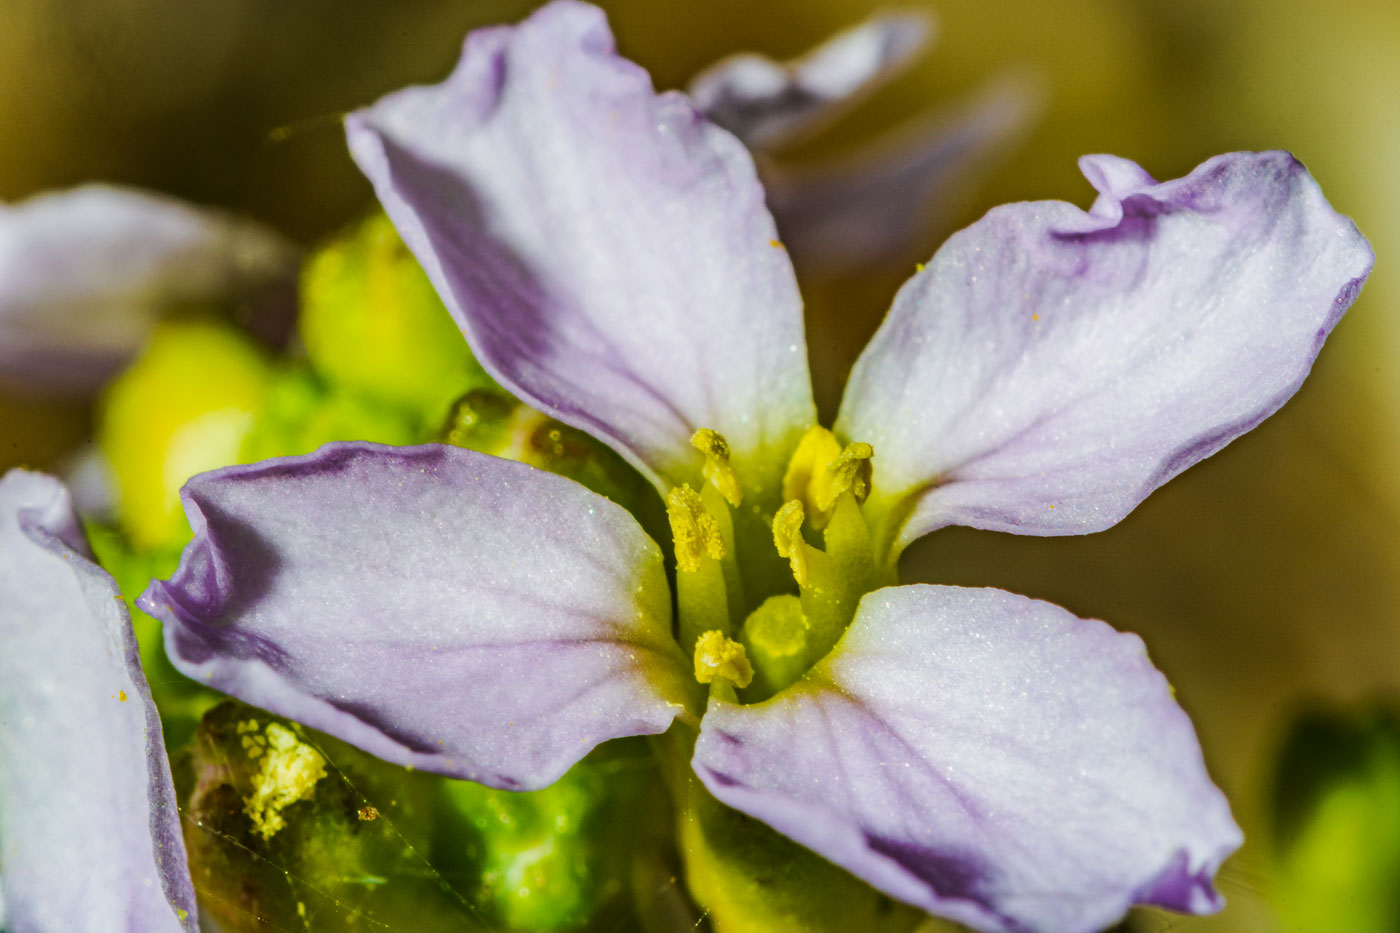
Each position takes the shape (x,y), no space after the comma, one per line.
(288,773)
(694,529)
(718,656)
(717,470)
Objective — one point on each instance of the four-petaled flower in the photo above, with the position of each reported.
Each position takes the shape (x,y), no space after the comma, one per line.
(609,257)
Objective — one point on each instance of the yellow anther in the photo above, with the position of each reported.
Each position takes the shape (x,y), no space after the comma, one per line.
(718,656)
(817,448)
(693,528)
(289,771)
(787,537)
(717,470)
(850,471)
(820,471)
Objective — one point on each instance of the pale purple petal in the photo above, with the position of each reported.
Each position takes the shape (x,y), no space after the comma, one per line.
(85,273)
(605,250)
(437,607)
(89,830)
(767,103)
(895,195)
(986,757)
(1051,367)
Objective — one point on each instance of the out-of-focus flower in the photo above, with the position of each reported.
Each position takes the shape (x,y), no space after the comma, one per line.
(86,273)
(872,206)
(91,836)
(609,257)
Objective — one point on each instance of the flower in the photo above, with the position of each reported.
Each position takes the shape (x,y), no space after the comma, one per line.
(87,272)
(609,257)
(872,206)
(91,838)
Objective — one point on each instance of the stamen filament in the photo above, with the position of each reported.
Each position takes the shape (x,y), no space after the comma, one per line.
(717,507)
(848,541)
(826,604)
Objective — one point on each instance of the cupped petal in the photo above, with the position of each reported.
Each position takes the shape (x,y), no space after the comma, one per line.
(437,607)
(85,273)
(768,104)
(89,829)
(1051,367)
(895,195)
(606,251)
(986,757)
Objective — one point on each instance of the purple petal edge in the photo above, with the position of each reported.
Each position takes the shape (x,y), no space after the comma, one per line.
(606,251)
(985,757)
(92,839)
(437,607)
(1051,366)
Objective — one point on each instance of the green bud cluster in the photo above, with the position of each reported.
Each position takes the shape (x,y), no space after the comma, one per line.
(383,362)
(561,858)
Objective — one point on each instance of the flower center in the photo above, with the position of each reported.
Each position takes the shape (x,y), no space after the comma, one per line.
(819,530)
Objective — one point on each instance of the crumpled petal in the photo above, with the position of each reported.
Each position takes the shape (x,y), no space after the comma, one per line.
(89,830)
(606,251)
(894,195)
(985,757)
(85,273)
(768,104)
(1051,367)
(437,607)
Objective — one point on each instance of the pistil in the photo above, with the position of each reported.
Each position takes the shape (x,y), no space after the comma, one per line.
(776,636)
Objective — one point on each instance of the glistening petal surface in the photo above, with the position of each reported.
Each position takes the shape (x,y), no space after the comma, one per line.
(985,757)
(89,831)
(85,273)
(1051,367)
(437,607)
(767,103)
(606,251)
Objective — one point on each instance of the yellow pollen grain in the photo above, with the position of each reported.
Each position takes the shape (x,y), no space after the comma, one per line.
(717,470)
(288,773)
(121,696)
(718,656)
(919,267)
(787,538)
(693,528)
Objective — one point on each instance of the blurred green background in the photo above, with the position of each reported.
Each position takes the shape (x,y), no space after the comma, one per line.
(1264,580)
